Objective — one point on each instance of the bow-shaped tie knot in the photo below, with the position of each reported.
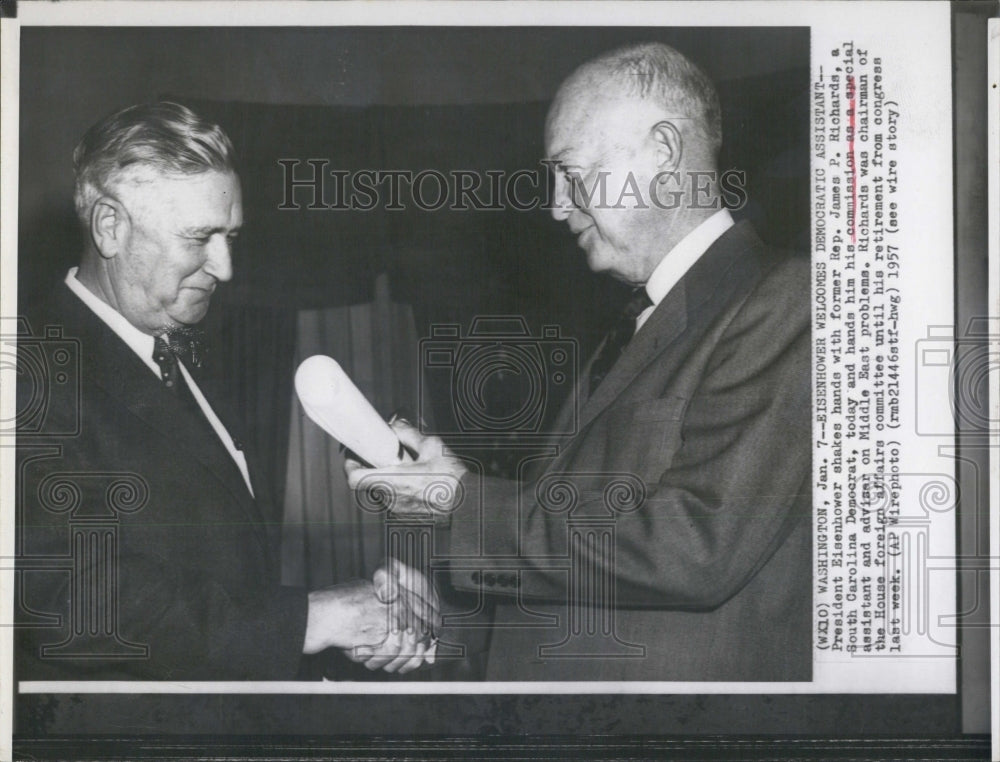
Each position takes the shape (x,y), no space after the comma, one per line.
(186,344)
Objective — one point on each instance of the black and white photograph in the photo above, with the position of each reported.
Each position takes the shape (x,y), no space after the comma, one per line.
(497,371)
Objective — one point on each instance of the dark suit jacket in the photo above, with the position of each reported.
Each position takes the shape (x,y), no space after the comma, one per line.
(706,417)
(196,564)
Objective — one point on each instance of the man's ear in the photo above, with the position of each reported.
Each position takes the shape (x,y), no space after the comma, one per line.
(108,226)
(669,146)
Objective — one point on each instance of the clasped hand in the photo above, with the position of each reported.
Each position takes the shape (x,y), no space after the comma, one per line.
(389,623)
(428,484)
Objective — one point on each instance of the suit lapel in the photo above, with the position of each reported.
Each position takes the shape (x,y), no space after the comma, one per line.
(260,504)
(112,365)
(666,323)
(729,264)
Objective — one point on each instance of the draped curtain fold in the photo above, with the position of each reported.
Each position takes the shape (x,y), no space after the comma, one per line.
(327,538)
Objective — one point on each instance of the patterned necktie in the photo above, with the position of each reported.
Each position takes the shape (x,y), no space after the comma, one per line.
(618,337)
(167,356)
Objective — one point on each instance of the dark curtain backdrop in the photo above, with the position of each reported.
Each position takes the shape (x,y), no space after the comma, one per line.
(327,539)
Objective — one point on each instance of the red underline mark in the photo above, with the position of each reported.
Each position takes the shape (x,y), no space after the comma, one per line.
(852,166)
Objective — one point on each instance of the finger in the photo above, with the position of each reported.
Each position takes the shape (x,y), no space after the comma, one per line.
(399,604)
(406,454)
(411,437)
(422,614)
(419,592)
(400,615)
(359,654)
(412,581)
(408,648)
(426,614)
(417,659)
(386,585)
(403,426)
(386,651)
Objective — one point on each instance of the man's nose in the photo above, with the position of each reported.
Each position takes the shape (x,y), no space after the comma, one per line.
(220,259)
(562,200)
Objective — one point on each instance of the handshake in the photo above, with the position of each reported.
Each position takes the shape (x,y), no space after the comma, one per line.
(389,623)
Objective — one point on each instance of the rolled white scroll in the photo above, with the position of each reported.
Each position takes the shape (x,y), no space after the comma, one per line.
(338,407)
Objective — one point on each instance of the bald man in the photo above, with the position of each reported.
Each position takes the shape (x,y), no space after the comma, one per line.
(693,437)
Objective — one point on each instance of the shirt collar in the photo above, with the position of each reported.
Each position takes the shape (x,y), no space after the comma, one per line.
(139,342)
(682,257)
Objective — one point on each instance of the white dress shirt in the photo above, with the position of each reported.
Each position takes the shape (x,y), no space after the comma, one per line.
(681,258)
(142,344)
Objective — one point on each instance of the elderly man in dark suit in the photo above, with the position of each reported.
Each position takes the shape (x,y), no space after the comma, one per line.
(174,571)
(693,434)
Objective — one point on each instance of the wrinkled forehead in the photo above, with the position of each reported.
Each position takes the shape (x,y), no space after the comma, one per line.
(149,191)
(144,179)
(575,117)
(583,119)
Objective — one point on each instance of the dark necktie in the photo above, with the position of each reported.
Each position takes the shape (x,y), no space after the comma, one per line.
(618,337)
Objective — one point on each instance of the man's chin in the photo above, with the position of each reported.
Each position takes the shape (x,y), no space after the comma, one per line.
(190,316)
(595,261)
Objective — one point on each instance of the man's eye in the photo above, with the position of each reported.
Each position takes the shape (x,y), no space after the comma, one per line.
(575,180)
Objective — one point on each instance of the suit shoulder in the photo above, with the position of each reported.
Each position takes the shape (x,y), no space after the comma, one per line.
(53,311)
(777,311)
(785,286)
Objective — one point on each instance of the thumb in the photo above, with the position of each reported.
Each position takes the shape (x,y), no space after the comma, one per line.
(386,585)
(410,435)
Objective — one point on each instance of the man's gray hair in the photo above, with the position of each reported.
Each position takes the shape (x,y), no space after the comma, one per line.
(655,70)
(164,136)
